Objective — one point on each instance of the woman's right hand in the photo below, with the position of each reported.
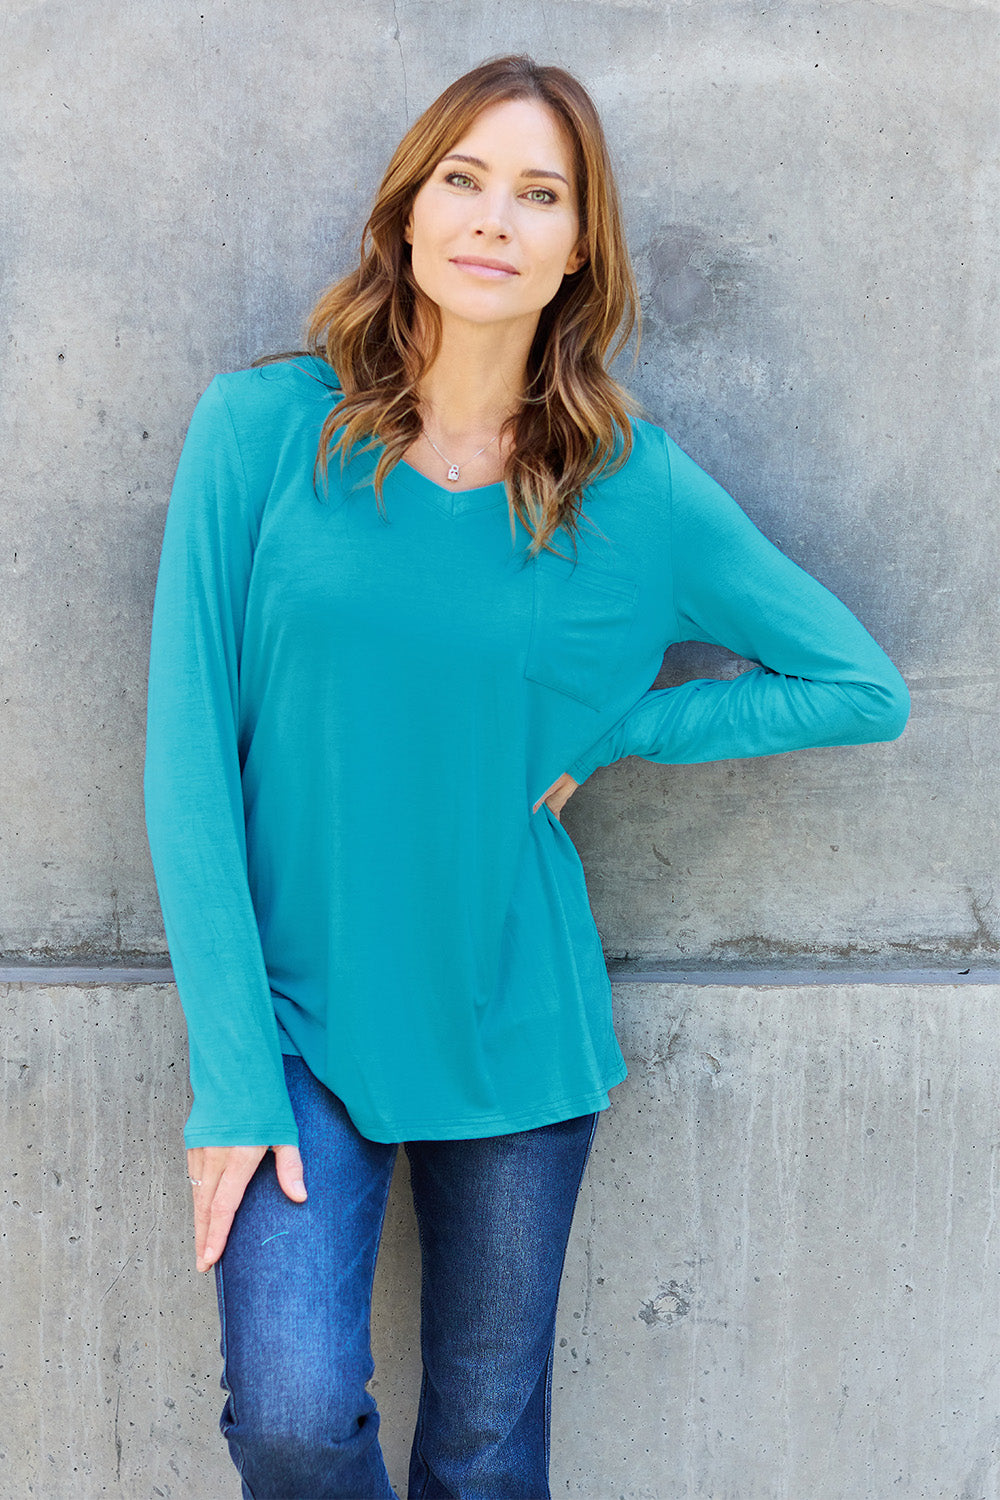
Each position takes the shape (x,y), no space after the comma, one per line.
(219,1179)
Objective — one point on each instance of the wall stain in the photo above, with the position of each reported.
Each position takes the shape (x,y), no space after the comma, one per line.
(670,1304)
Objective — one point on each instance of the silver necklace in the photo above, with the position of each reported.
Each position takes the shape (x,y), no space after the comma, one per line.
(454,471)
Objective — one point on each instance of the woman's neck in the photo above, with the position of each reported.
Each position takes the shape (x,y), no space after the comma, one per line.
(475,383)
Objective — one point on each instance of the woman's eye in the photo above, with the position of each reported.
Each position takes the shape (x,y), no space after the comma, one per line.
(534,195)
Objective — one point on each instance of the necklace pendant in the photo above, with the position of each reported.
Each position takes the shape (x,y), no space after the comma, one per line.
(453,471)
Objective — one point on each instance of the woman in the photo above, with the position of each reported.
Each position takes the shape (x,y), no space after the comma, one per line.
(413,589)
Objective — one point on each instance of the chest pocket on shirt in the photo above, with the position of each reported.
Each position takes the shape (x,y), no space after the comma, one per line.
(580,629)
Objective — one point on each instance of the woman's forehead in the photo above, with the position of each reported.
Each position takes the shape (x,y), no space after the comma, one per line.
(510,124)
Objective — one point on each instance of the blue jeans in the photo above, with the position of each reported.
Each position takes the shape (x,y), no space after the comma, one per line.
(295,1286)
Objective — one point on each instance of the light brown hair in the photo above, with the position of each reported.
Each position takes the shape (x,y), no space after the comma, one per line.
(572,425)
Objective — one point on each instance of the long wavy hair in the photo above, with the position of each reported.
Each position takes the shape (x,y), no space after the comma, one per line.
(572,425)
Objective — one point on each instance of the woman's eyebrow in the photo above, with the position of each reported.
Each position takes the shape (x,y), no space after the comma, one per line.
(476,161)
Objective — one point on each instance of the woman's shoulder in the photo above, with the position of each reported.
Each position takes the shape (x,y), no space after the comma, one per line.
(648,456)
(647,434)
(655,452)
(256,410)
(660,479)
(275,384)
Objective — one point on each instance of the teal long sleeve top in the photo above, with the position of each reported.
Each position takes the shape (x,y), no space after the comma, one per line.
(351,716)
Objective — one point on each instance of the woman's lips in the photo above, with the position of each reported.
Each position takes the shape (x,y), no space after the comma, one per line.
(495,270)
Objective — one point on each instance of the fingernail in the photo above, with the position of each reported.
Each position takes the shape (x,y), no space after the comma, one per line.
(299,1187)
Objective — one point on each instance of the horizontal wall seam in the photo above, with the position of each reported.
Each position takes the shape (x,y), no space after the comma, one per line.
(69,974)
(801,978)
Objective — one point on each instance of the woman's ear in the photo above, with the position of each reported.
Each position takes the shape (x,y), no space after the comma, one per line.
(408,228)
(577,258)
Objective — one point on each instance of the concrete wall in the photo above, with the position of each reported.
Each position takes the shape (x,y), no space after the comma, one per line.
(811,196)
(782,1280)
(811,192)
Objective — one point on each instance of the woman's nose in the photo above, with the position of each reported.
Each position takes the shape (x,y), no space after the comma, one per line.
(494,219)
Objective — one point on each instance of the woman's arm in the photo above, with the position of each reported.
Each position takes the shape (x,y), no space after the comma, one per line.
(822,679)
(193,793)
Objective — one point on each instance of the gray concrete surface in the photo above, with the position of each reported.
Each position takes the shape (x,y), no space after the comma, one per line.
(783,1280)
(811,193)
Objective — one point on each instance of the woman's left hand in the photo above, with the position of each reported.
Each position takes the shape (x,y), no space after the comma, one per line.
(558,794)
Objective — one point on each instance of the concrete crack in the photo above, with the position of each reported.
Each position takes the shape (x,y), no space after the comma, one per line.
(402,61)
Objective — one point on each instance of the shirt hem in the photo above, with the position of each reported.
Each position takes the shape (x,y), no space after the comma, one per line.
(499,1124)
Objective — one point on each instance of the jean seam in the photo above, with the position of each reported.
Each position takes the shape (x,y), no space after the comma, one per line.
(418,1438)
(547,1443)
(381,1228)
(548,1405)
(230,1398)
(422,1402)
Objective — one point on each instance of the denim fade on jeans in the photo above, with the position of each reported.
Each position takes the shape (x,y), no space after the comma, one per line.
(295,1285)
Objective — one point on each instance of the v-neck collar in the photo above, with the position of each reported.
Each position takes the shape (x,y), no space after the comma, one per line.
(452,502)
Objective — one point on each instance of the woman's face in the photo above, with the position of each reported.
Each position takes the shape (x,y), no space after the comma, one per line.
(496,227)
